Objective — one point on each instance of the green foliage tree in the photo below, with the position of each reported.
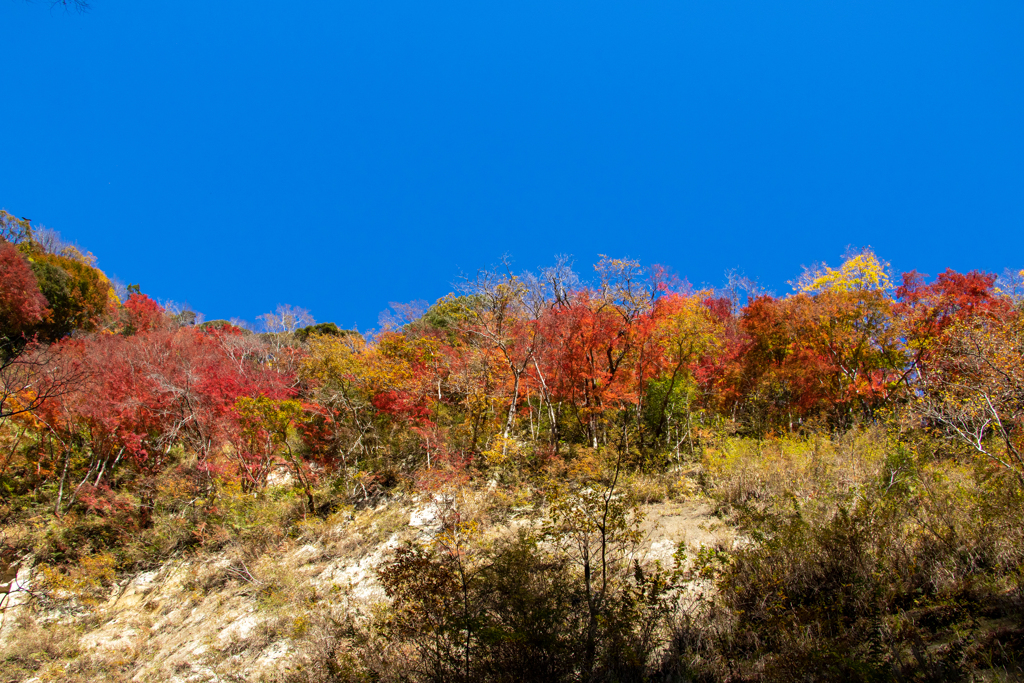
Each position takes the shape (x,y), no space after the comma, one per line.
(79,295)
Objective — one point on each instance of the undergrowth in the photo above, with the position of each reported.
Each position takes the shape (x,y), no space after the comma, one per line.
(874,555)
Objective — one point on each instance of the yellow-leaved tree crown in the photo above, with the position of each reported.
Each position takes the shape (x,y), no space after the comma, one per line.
(861,271)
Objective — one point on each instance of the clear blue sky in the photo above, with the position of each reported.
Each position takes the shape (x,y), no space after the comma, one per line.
(341,154)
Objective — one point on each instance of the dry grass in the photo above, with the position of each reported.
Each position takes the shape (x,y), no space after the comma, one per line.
(744,471)
(869,556)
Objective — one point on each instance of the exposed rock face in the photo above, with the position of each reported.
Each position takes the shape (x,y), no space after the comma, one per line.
(241,616)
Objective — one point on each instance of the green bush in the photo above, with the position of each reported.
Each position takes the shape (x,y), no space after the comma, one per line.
(328,329)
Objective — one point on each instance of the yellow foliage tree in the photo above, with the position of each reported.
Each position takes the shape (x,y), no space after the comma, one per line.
(264,430)
(863,271)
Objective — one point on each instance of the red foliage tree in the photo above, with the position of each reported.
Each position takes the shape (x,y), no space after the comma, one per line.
(21,303)
(835,354)
(927,310)
(593,356)
(142,314)
(150,391)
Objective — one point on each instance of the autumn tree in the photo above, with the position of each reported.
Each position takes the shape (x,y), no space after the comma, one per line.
(600,347)
(501,320)
(142,314)
(13,229)
(831,350)
(264,429)
(285,319)
(22,305)
(860,271)
(80,296)
(144,395)
(974,391)
(852,350)
(687,331)
(336,375)
(34,378)
(1011,285)
(925,311)
(30,374)
(598,528)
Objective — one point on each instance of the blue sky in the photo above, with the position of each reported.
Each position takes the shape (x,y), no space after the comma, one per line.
(339,155)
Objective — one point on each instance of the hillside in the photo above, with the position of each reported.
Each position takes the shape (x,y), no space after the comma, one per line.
(539,477)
